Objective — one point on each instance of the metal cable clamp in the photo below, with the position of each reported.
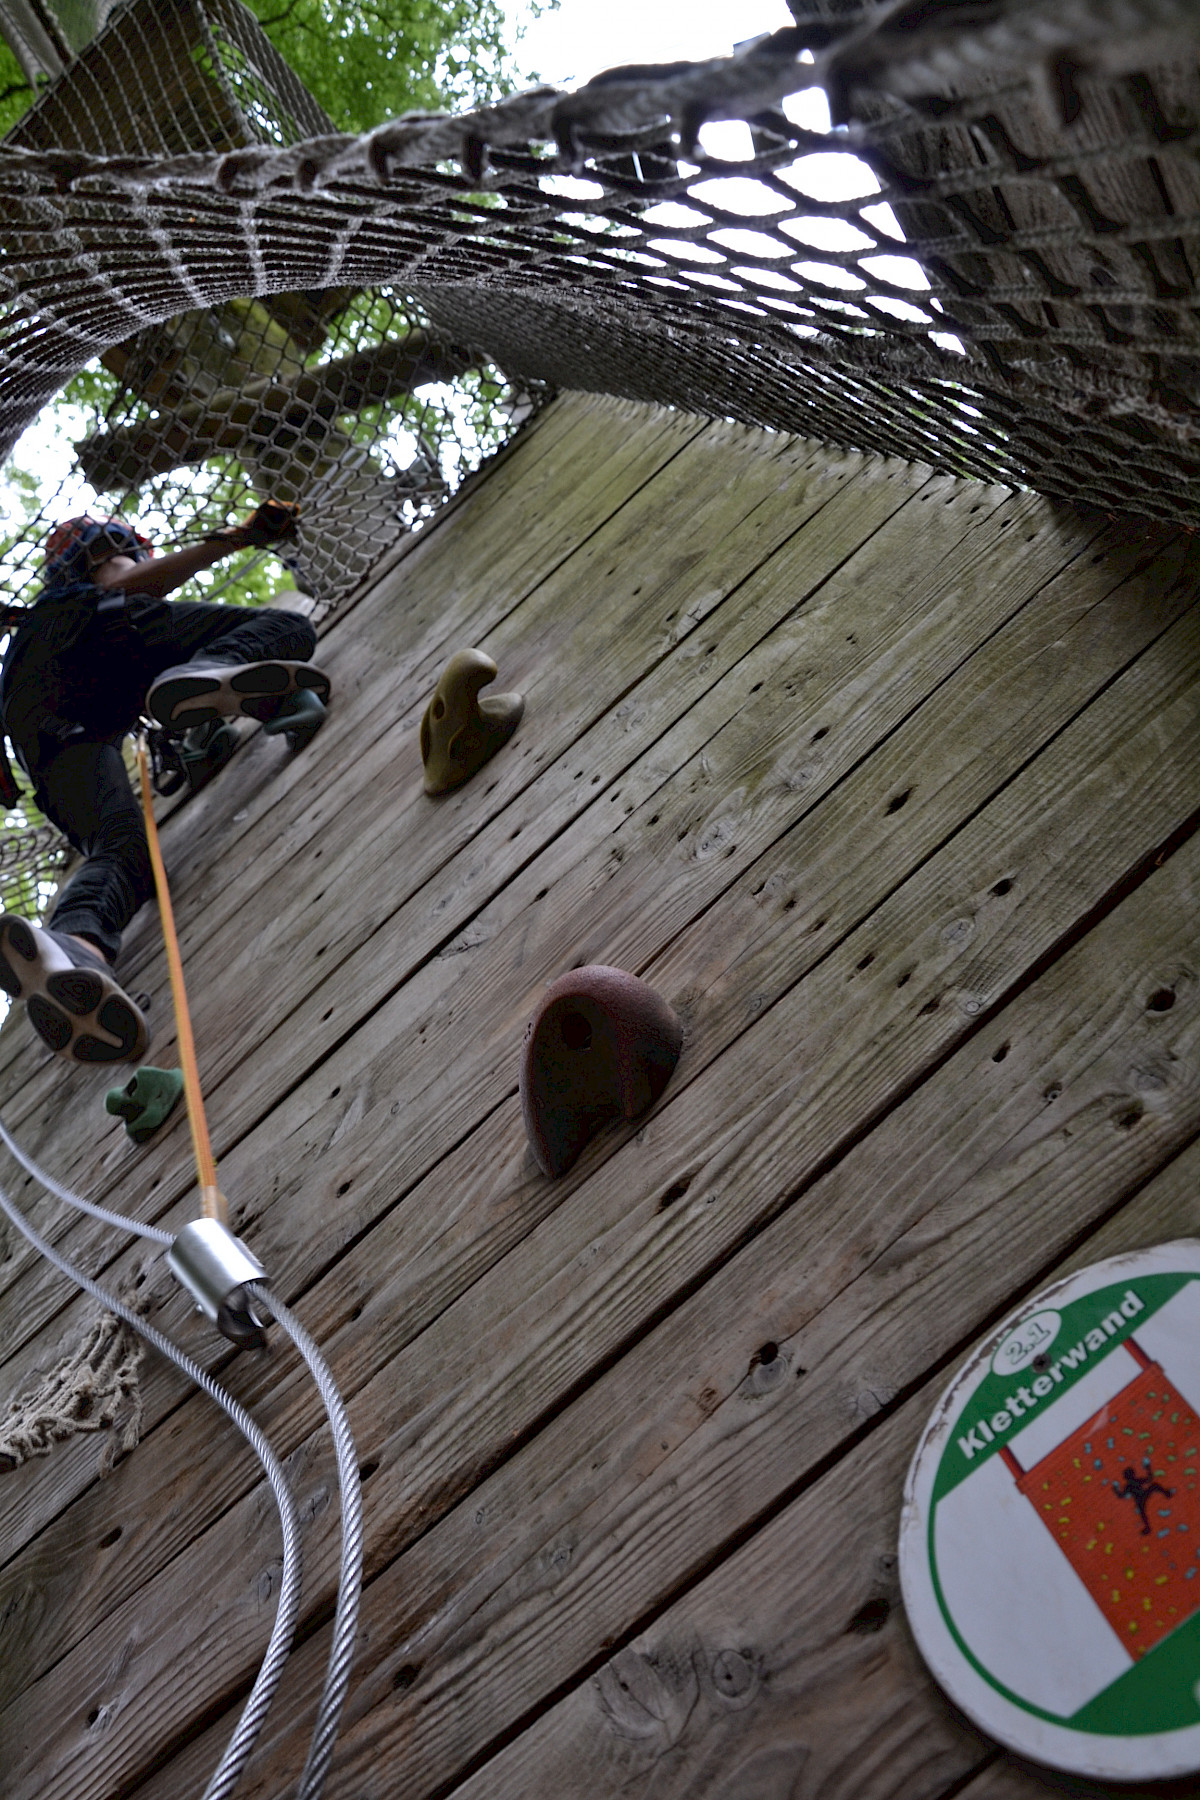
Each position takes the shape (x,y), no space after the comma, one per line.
(214,1267)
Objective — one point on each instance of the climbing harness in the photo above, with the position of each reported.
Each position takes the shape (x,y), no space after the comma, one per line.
(230,1287)
(189,761)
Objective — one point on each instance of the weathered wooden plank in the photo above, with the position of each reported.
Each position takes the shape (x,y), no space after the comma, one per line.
(515,529)
(789,1690)
(223,884)
(501,839)
(267,799)
(432,1264)
(788,1672)
(966,1196)
(549,1315)
(363,803)
(616,740)
(1067,609)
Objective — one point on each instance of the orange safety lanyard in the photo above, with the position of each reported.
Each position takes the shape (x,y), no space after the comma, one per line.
(212,1201)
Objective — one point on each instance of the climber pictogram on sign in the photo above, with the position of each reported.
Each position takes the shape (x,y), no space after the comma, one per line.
(1133,1541)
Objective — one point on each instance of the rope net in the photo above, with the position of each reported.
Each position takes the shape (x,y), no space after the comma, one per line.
(964,232)
(342,398)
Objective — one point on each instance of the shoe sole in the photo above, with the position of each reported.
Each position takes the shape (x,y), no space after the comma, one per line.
(253,690)
(69,1007)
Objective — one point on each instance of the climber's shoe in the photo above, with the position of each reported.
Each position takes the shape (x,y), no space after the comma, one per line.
(196,692)
(74,1005)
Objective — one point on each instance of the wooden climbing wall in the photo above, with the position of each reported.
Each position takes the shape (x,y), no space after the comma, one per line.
(888,782)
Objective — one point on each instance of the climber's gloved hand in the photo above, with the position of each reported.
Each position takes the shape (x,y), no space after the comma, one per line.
(271,523)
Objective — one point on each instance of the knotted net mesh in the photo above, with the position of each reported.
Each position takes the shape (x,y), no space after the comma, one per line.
(341,398)
(965,232)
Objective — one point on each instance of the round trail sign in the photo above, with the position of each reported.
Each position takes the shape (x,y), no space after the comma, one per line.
(1050,1537)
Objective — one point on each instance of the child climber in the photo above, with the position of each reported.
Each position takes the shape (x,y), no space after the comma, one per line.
(100,646)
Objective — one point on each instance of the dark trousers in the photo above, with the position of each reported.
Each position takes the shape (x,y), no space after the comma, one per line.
(100,683)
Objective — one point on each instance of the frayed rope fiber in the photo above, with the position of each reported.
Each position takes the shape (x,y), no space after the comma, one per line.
(94,1388)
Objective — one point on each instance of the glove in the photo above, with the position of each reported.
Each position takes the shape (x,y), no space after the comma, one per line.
(269,523)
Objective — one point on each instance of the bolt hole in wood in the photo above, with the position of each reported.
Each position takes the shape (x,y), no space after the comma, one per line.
(898,801)
(1161,1000)
(866,961)
(576,1031)
(1002,887)
(404,1677)
(93,1716)
(344,1188)
(111,1537)
(999,1055)
(766,1353)
(818,734)
(675,1192)
(871,1617)
(368,1469)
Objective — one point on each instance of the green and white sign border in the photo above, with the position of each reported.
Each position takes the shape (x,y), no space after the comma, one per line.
(1152,1755)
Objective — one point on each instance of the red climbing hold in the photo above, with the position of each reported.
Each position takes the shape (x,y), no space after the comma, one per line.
(600,1046)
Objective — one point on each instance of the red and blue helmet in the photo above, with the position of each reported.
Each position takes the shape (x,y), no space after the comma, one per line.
(76,545)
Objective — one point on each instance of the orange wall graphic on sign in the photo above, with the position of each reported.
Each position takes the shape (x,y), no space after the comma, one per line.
(1121,1498)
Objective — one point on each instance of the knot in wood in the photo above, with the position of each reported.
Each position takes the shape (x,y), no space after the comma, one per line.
(732,1675)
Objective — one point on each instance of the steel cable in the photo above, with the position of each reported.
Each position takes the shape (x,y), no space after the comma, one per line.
(229,1769)
(345,1627)
(153,1232)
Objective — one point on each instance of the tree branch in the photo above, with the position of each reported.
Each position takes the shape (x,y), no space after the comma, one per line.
(234,418)
(281,18)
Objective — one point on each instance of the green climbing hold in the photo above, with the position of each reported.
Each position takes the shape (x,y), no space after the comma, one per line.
(299,719)
(146,1101)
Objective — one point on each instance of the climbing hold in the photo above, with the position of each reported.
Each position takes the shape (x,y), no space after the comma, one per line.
(145,1102)
(600,1045)
(299,719)
(460,731)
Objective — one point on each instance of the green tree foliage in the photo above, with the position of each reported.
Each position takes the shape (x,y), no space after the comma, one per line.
(16,96)
(368,60)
